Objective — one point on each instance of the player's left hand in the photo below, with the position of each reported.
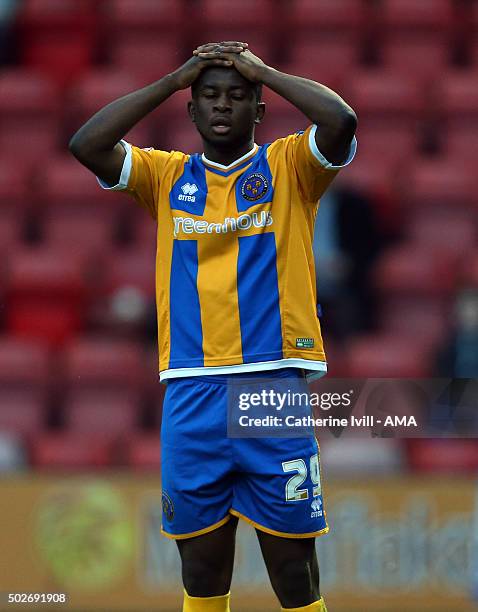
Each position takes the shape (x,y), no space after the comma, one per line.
(244,61)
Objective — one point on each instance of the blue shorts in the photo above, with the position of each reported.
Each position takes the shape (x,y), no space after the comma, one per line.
(272,483)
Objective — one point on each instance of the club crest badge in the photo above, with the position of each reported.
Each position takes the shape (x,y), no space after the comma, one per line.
(168,507)
(254,187)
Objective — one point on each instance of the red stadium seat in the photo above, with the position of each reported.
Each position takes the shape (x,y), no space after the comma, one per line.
(248,15)
(24,364)
(130,269)
(386,143)
(85,234)
(145,232)
(11,229)
(111,413)
(324,15)
(46,294)
(458,95)
(441,182)
(146,58)
(461,141)
(329,59)
(22,412)
(379,95)
(68,451)
(143,452)
(146,16)
(64,185)
(97,89)
(29,105)
(449,230)
(415,270)
(440,456)
(58,36)
(424,318)
(15,184)
(103,364)
(430,15)
(385,356)
(425,58)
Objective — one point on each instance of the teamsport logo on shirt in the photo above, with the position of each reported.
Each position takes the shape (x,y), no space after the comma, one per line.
(187,225)
(188,191)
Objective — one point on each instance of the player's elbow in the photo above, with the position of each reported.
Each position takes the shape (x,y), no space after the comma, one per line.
(82,147)
(348,120)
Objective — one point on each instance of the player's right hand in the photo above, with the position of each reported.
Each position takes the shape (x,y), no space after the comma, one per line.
(189,72)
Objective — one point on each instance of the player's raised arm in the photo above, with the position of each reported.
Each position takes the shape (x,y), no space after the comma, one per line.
(97,143)
(323,107)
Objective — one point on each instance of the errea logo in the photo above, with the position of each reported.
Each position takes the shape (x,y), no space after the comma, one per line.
(316,506)
(188,191)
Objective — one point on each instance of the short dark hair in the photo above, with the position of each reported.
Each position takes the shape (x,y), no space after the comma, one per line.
(257,87)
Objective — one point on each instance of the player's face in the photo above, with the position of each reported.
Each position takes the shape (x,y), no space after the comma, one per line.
(225,107)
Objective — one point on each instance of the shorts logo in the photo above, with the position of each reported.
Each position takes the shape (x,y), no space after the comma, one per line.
(316,506)
(168,507)
(254,187)
(304,343)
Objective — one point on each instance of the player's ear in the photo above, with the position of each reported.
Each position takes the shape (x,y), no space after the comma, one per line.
(192,111)
(261,109)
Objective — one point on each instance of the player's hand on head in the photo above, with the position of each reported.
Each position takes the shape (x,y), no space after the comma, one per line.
(189,72)
(249,65)
(213,49)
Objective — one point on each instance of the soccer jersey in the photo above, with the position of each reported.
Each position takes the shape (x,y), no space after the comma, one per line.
(235,276)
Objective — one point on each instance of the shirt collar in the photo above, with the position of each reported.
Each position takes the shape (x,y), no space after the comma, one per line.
(242,159)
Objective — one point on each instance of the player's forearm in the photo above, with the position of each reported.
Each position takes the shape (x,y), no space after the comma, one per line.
(109,125)
(320,104)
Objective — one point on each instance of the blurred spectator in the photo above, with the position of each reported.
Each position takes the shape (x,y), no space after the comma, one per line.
(8,9)
(346,243)
(459,356)
(12,454)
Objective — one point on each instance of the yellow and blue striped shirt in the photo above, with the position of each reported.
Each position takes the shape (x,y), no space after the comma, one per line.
(235,277)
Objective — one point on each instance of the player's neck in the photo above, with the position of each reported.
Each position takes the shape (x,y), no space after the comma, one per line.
(226,156)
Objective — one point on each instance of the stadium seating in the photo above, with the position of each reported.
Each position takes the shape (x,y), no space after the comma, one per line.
(77,268)
(85,234)
(24,364)
(156,17)
(22,412)
(413,269)
(424,16)
(441,182)
(109,413)
(29,105)
(98,88)
(322,15)
(388,356)
(425,59)
(143,452)
(70,451)
(439,456)
(46,294)
(421,317)
(15,184)
(58,37)
(447,230)
(99,364)
(328,58)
